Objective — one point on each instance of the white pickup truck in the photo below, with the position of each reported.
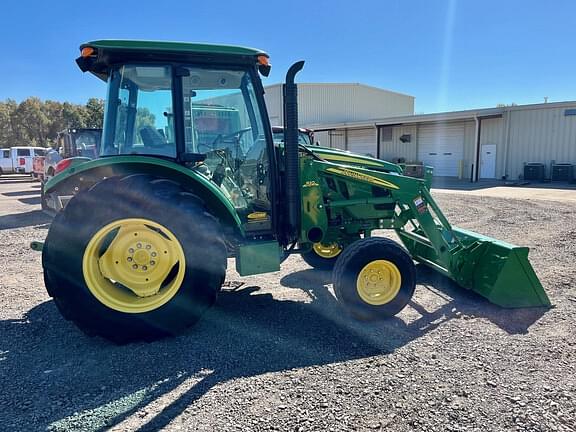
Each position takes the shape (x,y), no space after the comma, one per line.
(18,160)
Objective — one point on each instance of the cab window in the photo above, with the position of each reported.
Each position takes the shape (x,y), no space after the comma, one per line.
(142,121)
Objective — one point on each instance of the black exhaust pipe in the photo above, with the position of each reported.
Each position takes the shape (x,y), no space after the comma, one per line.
(291,151)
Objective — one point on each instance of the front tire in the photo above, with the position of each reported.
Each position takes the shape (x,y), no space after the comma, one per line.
(322,256)
(134,258)
(374,278)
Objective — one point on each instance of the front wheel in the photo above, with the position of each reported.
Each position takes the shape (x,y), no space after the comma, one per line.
(322,255)
(134,258)
(374,278)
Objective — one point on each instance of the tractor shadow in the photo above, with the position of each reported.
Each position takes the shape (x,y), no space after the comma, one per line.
(462,303)
(437,299)
(73,382)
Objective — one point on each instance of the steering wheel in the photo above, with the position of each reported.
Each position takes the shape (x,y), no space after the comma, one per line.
(225,137)
(222,138)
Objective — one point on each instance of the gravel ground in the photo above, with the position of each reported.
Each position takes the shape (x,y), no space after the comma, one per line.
(277,353)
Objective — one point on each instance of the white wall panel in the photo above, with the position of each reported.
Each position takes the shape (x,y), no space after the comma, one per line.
(362,141)
(395,149)
(325,103)
(540,135)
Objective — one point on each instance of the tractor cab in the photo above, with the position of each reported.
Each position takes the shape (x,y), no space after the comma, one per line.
(209,118)
(79,142)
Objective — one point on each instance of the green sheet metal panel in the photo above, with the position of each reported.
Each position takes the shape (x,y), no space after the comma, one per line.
(256,258)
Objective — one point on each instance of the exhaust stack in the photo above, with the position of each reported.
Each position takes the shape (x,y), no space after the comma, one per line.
(291,151)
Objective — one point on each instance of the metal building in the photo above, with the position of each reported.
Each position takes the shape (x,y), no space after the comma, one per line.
(473,144)
(320,103)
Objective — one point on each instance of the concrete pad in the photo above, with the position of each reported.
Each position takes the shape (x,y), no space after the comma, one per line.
(515,192)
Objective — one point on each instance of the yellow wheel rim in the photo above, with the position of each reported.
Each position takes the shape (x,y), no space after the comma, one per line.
(327,251)
(379,282)
(129,265)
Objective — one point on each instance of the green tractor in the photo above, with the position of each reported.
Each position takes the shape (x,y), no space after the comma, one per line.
(189,175)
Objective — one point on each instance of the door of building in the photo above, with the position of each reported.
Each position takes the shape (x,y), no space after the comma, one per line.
(488,161)
(441,146)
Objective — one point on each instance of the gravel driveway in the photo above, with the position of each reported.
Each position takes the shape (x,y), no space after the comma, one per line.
(277,353)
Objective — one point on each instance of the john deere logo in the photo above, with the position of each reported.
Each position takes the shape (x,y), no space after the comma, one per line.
(363,177)
(310,183)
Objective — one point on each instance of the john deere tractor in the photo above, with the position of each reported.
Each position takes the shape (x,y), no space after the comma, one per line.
(189,175)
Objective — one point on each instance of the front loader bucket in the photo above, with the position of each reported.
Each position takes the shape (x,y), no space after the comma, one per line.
(496,270)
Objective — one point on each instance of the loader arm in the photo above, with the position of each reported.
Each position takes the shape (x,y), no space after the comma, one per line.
(367,198)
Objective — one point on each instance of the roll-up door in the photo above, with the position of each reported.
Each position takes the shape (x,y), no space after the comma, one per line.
(442,147)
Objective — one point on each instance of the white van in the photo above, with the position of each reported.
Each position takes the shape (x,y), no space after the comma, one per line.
(18,160)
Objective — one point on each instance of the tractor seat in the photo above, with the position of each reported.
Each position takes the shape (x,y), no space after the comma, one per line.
(152,137)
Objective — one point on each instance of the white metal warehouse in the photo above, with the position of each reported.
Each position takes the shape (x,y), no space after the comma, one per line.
(472,144)
(330,103)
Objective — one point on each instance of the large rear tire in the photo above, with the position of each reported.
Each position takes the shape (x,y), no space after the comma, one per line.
(134,258)
(374,278)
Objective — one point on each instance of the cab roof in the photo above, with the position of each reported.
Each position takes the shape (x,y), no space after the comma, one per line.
(98,56)
(172,47)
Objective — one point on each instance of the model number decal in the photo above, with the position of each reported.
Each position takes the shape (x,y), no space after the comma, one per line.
(362,177)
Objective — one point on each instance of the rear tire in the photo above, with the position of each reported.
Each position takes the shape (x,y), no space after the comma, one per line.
(89,259)
(374,278)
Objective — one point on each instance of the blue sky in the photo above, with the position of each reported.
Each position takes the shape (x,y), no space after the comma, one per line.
(449,54)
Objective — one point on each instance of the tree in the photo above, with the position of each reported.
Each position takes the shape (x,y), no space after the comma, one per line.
(94,113)
(34,122)
(7,133)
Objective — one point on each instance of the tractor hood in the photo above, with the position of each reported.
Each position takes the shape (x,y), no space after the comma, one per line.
(343,157)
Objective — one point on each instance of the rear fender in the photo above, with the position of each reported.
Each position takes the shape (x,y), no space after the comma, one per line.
(85,175)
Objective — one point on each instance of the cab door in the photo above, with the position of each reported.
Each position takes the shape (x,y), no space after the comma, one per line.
(222,120)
